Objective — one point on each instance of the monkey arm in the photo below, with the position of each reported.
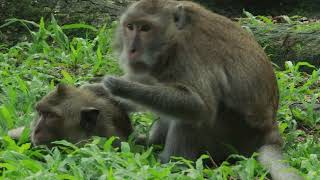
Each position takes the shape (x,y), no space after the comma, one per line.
(100,90)
(176,100)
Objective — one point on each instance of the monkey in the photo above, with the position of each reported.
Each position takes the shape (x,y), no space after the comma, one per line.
(209,81)
(77,114)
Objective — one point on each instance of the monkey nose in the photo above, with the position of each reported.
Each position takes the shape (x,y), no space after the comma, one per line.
(133,50)
(133,53)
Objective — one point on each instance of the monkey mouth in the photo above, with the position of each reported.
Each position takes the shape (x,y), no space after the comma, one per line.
(138,66)
(133,57)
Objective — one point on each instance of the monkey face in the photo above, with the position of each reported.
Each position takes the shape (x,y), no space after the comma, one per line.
(139,44)
(52,125)
(144,37)
(47,128)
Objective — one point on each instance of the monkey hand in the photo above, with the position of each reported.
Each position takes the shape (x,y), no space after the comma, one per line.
(115,84)
(97,88)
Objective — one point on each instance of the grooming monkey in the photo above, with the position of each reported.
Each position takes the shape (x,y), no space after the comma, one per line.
(209,81)
(77,114)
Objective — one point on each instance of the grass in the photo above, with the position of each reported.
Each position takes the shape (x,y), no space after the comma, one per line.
(30,69)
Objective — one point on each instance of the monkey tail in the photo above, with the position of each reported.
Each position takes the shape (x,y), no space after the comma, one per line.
(270,157)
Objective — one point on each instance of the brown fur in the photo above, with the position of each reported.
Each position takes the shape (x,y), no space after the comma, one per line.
(61,114)
(212,84)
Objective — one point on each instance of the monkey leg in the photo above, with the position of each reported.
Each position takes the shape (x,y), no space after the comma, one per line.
(182,141)
(158,132)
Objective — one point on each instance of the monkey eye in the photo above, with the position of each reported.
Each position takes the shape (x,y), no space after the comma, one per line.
(49,114)
(145,28)
(175,18)
(130,26)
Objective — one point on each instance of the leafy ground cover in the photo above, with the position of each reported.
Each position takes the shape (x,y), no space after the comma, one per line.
(30,69)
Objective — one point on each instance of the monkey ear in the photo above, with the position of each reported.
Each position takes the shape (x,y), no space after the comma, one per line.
(181,17)
(89,118)
(61,89)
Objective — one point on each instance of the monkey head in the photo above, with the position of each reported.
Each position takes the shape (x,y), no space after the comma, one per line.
(76,114)
(145,34)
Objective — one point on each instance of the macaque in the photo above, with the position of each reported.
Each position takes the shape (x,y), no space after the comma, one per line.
(211,84)
(77,114)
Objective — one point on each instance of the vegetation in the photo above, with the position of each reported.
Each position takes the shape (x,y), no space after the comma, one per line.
(29,70)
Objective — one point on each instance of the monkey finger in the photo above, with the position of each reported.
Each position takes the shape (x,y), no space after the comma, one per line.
(97,88)
(113,84)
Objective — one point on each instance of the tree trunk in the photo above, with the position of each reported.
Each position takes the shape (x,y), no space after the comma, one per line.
(234,8)
(287,42)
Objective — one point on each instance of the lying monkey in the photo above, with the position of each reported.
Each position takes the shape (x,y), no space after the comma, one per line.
(76,114)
